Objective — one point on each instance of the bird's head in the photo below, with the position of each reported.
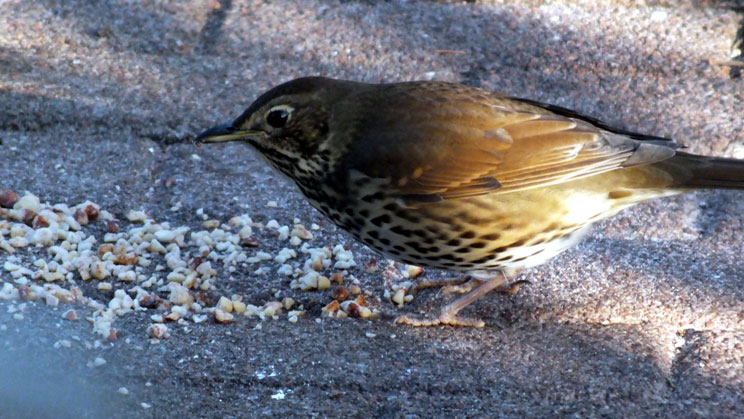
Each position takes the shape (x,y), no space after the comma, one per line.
(288,124)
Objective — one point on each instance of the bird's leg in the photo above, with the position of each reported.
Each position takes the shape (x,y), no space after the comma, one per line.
(448,314)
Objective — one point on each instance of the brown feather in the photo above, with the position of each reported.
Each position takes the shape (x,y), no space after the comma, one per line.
(475,142)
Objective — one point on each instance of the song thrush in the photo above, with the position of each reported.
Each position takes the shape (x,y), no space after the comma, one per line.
(447,176)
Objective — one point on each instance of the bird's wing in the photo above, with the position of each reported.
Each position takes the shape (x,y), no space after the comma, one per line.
(443,141)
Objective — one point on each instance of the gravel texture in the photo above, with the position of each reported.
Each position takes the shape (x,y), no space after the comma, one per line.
(98,101)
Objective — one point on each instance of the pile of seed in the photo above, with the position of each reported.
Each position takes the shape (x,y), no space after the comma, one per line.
(167,269)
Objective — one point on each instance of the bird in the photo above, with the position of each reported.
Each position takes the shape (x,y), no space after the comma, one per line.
(447,176)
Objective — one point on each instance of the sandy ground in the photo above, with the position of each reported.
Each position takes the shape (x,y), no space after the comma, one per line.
(99,102)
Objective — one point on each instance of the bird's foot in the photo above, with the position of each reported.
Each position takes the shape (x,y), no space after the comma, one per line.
(464,285)
(443,318)
(461,288)
(449,316)
(441,283)
(512,287)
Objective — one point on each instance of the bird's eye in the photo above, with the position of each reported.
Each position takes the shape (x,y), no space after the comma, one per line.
(278,116)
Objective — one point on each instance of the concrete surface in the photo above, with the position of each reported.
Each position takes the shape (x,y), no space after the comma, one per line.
(98,101)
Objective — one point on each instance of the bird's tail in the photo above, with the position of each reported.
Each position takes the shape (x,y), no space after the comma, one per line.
(693,171)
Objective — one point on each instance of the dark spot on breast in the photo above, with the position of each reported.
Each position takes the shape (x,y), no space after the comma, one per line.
(379,221)
(420,233)
(468,235)
(556,236)
(492,236)
(571,228)
(399,248)
(537,252)
(373,234)
(400,230)
(478,245)
(484,259)
(463,250)
(391,207)
(518,243)
(373,197)
(444,220)
(385,241)
(416,246)
(619,194)
(407,215)
(551,228)
(454,242)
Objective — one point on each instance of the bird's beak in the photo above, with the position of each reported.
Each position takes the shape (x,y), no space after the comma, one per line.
(223,134)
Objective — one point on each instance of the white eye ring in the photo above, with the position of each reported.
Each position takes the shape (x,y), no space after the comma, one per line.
(278,116)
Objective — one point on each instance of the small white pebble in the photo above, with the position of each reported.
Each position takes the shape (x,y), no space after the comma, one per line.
(239,307)
(323,283)
(145,405)
(70,315)
(659,15)
(99,362)
(123,390)
(136,216)
(64,343)
(28,201)
(221,316)
(225,304)
(399,297)
(165,236)
(18,241)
